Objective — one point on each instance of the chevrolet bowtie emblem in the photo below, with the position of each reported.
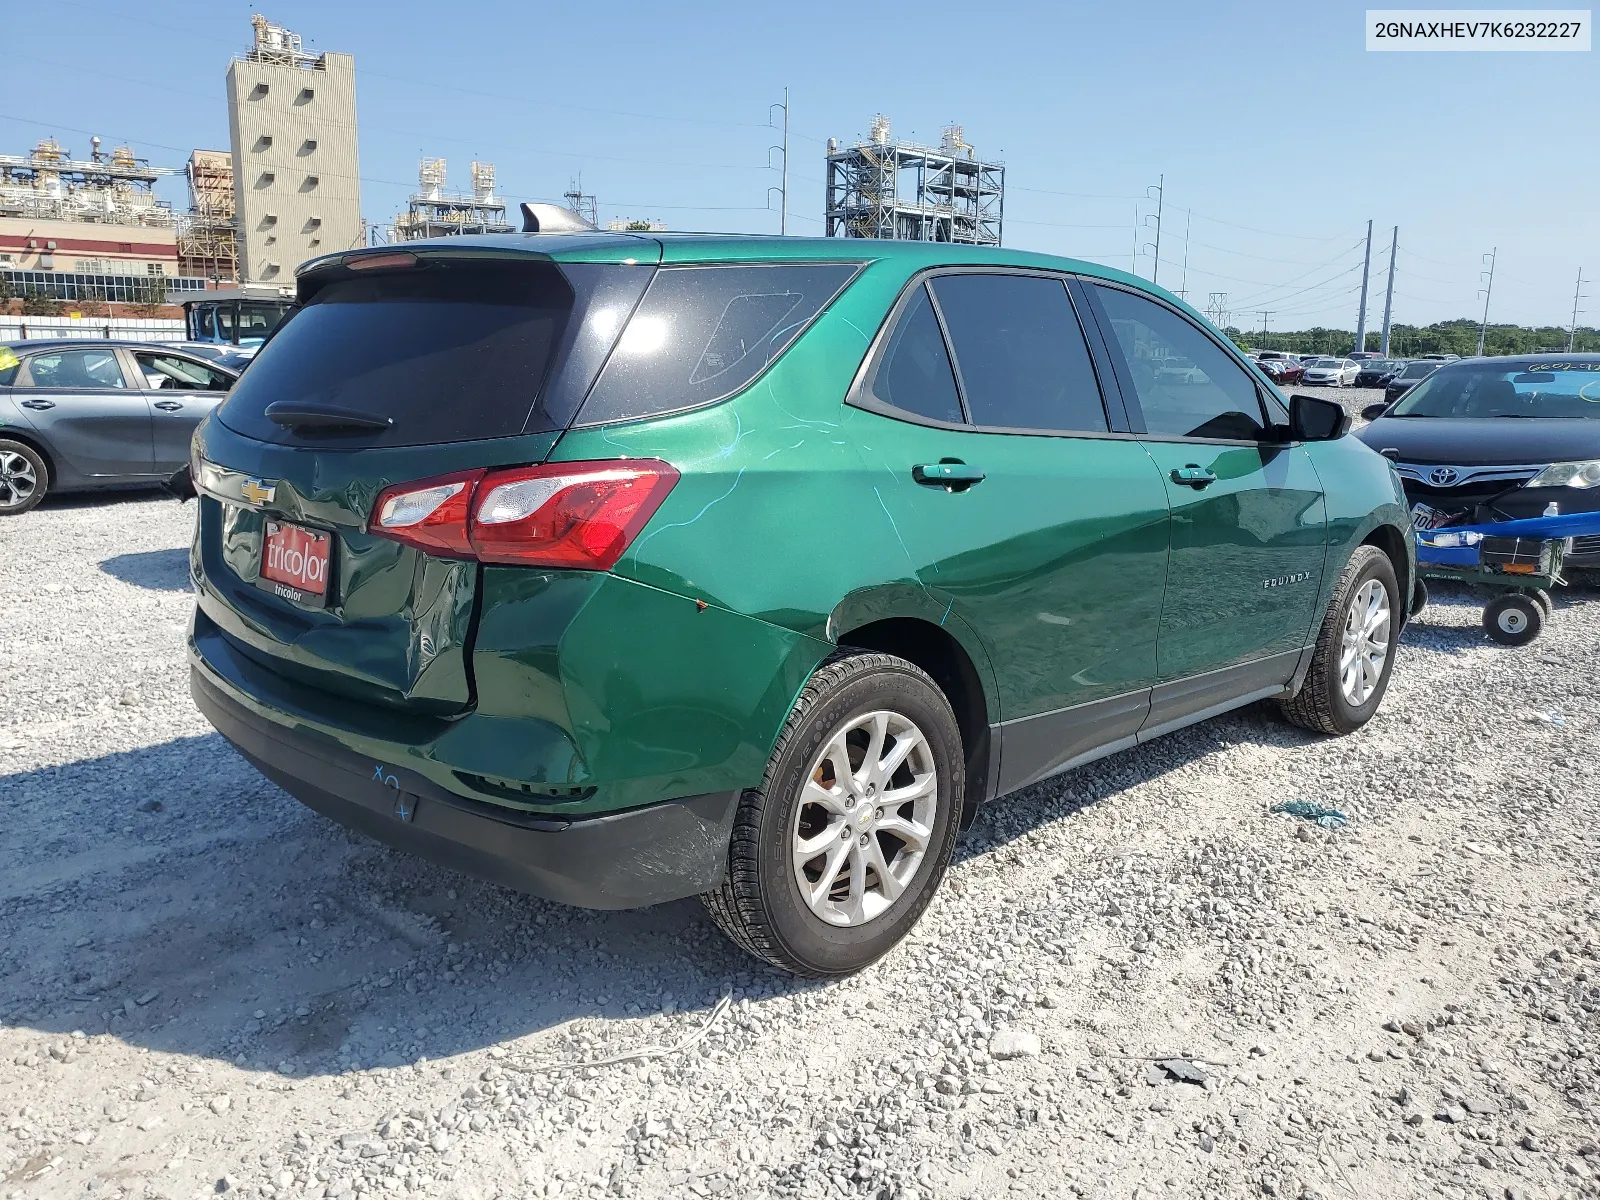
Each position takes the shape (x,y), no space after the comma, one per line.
(258,493)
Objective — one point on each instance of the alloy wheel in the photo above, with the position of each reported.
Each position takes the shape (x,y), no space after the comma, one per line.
(18,482)
(865,818)
(1365,645)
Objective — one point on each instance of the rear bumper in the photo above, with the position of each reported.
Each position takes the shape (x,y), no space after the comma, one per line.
(627,859)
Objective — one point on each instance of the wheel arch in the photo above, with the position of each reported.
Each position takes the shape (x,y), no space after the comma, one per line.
(951,664)
(11,433)
(1393,544)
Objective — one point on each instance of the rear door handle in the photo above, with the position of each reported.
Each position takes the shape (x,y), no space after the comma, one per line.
(169,405)
(38,404)
(1194,475)
(947,474)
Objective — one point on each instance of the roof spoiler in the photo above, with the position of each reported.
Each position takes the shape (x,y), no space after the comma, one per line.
(552,218)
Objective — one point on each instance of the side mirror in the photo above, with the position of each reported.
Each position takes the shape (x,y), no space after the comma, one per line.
(1314,420)
(1373,411)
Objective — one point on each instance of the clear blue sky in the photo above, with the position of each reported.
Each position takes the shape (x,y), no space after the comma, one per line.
(1270,121)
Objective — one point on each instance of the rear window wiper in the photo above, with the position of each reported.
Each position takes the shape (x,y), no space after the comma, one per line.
(294,415)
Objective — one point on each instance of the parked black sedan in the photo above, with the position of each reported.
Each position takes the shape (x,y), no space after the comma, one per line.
(1407,378)
(1376,372)
(1492,439)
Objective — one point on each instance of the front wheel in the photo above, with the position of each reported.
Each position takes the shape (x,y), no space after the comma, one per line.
(835,857)
(1514,619)
(1354,653)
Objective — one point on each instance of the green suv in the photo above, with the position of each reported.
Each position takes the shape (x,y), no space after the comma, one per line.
(619,569)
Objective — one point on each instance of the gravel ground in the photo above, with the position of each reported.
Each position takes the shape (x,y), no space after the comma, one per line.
(206,988)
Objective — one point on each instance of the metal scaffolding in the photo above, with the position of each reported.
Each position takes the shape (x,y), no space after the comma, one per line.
(881,188)
(208,239)
(114,189)
(434,212)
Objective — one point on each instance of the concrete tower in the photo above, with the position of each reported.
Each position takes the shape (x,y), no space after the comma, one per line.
(292,120)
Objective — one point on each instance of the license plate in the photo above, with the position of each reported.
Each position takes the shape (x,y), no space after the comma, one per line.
(1426,517)
(294,563)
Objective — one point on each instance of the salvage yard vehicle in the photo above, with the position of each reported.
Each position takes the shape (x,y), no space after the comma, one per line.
(1498,439)
(1376,372)
(76,415)
(1407,377)
(1331,372)
(619,569)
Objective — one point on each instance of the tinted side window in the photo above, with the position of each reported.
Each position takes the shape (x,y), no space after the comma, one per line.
(1186,384)
(703,333)
(914,373)
(1021,354)
(82,369)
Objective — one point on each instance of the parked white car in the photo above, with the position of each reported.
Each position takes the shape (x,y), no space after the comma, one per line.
(1331,372)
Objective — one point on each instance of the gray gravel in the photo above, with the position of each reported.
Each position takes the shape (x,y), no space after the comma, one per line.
(1137,982)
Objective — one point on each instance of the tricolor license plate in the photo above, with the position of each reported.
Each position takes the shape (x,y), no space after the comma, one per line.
(294,563)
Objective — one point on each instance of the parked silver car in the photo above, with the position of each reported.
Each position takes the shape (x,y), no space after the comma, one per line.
(1331,372)
(83,414)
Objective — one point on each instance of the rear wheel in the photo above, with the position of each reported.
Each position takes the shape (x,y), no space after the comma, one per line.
(1354,652)
(23,478)
(837,854)
(1545,601)
(1514,619)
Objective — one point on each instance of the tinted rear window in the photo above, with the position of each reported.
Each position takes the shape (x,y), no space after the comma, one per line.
(450,352)
(1023,361)
(703,333)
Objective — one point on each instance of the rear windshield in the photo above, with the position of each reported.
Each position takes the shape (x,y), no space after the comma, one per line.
(703,333)
(449,352)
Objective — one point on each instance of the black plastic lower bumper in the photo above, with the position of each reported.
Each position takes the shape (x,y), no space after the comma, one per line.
(621,860)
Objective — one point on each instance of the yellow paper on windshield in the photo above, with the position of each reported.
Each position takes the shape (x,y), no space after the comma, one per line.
(8,357)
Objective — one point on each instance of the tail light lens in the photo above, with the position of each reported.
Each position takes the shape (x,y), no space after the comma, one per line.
(576,515)
(430,514)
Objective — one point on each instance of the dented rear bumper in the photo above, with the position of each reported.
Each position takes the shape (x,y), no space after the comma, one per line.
(626,859)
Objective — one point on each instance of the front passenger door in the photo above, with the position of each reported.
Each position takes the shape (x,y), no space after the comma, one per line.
(1249,525)
(81,403)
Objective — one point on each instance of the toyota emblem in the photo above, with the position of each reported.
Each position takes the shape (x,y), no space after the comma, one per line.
(1443,476)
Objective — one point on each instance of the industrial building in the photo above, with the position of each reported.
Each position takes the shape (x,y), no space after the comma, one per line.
(434,212)
(881,188)
(88,229)
(296,178)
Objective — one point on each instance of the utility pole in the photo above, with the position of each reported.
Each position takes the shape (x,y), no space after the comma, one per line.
(1361,317)
(1160,189)
(1133,264)
(1388,296)
(1265,313)
(1183,288)
(783,191)
(1487,292)
(1572,333)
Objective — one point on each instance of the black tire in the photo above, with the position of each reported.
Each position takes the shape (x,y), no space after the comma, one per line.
(1321,704)
(1514,619)
(21,487)
(1545,600)
(760,905)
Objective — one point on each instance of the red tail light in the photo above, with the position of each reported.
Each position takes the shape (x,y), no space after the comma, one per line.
(579,515)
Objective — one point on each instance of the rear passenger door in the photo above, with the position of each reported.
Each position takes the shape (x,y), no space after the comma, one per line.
(179,391)
(1027,513)
(95,421)
(1249,525)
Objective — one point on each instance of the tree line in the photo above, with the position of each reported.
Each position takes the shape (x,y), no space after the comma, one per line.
(1409,341)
